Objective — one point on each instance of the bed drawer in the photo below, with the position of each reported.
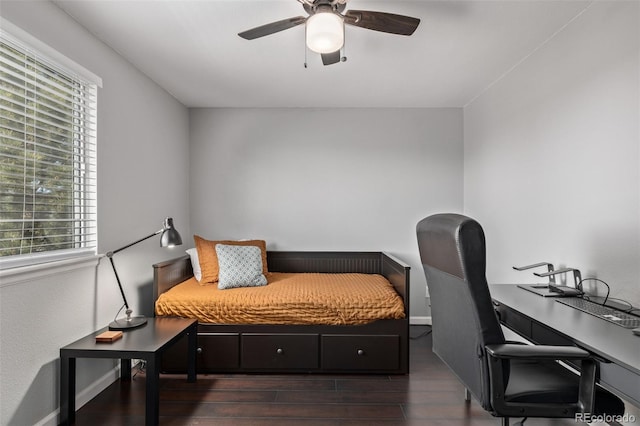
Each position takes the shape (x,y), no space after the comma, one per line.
(360,352)
(216,351)
(279,351)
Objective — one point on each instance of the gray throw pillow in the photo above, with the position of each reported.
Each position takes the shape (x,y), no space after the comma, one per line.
(240,266)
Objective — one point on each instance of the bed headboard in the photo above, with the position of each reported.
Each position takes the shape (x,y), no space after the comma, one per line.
(171,272)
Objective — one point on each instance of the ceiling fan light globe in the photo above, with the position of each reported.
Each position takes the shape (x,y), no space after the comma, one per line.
(325,32)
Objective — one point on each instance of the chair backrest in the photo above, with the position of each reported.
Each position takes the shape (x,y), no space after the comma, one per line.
(452,251)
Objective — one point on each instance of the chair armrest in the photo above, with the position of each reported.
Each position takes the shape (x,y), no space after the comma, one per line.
(516,351)
(502,353)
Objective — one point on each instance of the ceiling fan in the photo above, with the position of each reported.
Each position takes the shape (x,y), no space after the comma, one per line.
(325,26)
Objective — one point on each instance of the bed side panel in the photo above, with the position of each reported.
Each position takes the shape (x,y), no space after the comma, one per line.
(169,273)
(397,272)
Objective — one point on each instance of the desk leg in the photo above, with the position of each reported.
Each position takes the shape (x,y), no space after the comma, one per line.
(152,412)
(193,346)
(67,390)
(125,370)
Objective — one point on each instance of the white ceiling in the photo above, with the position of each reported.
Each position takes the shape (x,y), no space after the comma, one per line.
(191,48)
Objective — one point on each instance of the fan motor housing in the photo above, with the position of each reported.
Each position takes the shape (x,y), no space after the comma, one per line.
(334,5)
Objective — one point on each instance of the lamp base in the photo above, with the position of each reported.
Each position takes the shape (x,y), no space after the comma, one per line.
(124,324)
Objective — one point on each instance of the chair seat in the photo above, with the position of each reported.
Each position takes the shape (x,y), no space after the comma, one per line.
(550,382)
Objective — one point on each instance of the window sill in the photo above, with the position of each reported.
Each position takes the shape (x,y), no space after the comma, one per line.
(23,274)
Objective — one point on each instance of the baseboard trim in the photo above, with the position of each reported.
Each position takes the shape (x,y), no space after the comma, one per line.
(84,396)
(419,320)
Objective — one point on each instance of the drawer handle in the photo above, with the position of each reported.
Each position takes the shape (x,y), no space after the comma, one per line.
(279,351)
(199,350)
(360,352)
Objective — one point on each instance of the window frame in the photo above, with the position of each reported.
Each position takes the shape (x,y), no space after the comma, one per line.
(51,57)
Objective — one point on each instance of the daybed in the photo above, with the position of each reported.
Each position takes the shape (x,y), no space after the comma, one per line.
(380,346)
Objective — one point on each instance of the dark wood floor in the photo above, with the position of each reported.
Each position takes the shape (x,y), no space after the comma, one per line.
(429,396)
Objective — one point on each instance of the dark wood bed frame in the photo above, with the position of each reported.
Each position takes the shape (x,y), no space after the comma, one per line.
(378,347)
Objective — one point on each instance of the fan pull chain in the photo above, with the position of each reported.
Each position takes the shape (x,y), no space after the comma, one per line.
(343,56)
(305,45)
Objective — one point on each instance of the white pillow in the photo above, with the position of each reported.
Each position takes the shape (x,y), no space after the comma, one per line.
(240,266)
(195,263)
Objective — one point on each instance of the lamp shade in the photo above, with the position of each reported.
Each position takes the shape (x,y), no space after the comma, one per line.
(325,32)
(170,236)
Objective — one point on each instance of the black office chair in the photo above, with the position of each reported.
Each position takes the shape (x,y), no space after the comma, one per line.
(507,379)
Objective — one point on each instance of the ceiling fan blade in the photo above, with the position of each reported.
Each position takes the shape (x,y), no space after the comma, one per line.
(381,21)
(273,27)
(331,58)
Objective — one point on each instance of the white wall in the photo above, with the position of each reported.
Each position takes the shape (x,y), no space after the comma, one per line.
(143,135)
(326,179)
(552,154)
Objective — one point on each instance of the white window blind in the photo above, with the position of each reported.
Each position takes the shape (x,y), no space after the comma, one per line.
(47,159)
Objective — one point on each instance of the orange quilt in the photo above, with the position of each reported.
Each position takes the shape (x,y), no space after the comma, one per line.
(289,298)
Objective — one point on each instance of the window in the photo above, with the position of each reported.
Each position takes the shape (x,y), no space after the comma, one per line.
(47,158)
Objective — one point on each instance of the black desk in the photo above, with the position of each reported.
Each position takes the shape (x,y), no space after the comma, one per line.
(544,321)
(146,343)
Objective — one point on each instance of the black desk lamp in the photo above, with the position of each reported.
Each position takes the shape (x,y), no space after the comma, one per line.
(169,238)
